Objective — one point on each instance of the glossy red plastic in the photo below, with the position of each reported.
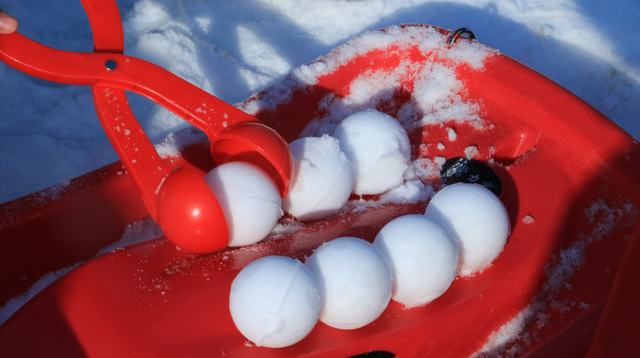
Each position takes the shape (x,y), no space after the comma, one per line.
(568,175)
(109,72)
(251,142)
(189,213)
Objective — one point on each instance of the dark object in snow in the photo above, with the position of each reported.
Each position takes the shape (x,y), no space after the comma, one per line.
(458,33)
(463,170)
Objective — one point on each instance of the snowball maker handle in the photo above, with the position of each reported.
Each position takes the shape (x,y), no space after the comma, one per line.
(187,101)
(110,73)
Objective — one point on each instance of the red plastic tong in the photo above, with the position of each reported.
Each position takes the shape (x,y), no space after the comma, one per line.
(179,201)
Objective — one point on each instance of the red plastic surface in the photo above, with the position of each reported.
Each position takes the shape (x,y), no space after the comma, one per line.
(563,164)
(133,147)
(189,213)
(258,145)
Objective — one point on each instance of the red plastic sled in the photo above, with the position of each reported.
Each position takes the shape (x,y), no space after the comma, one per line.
(570,185)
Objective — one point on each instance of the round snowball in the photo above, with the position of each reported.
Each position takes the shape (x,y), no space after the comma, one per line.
(423,258)
(354,279)
(249,200)
(323,181)
(476,219)
(378,148)
(275,301)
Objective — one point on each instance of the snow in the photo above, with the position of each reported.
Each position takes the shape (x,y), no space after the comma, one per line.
(528,219)
(377,147)
(323,179)
(50,133)
(355,282)
(423,258)
(451,134)
(275,301)
(476,219)
(470,151)
(249,200)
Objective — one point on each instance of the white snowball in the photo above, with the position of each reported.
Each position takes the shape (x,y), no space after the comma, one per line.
(476,219)
(275,301)
(249,199)
(378,148)
(423,258)
(323,181)
(354,279)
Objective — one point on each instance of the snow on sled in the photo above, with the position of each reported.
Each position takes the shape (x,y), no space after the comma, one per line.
(568,183)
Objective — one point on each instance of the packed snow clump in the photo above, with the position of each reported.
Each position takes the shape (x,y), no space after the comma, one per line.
(323,179)
(423,258)
(275,301)
(249,200)
(477,220)
(354,279)
(377,147)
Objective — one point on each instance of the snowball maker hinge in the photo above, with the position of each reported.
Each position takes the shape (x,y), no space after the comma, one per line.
(111,65)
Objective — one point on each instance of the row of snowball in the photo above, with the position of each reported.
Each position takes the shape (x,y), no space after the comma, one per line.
(347,283)
(369,155)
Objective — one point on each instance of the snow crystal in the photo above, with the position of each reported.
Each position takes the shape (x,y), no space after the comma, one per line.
(470,151)
(451,134)
(440,161)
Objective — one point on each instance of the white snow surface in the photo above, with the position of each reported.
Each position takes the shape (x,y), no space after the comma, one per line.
(49,133)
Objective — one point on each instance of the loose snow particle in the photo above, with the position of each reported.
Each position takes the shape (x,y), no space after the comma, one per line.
(470,151)
(423,258)
(452,135)
(528,219)
(275,301)
(378,148)
(249,200)
(354,279)
(440,161)
(440,146)
(476,218)
(323,181)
